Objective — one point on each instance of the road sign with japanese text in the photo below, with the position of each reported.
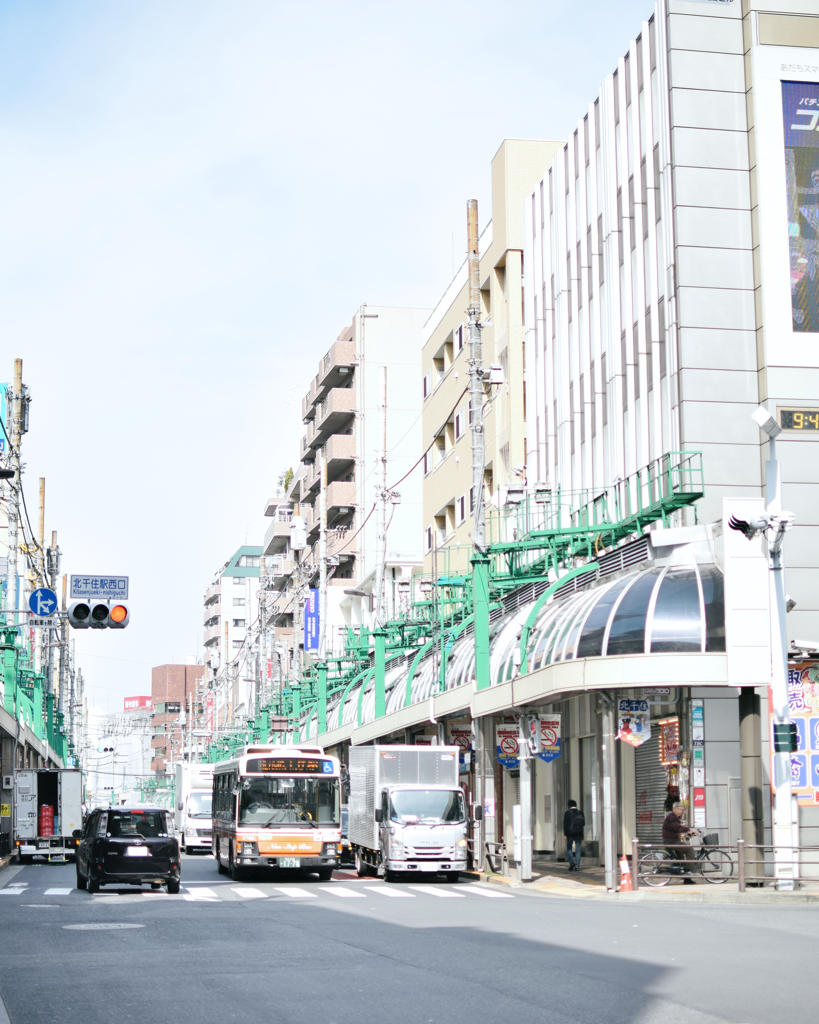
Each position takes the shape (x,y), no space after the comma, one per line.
(100,588)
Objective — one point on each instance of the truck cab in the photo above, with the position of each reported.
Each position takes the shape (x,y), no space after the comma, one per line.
(422,829)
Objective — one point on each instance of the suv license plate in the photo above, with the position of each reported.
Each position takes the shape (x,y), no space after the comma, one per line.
(137,851)
(289,862)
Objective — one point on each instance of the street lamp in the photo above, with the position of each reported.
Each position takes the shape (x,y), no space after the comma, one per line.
(774,524)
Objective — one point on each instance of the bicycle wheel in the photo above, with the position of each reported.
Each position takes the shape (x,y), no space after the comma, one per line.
(716,866)
(651,864)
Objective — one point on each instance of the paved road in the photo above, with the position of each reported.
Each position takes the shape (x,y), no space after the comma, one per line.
(359,951)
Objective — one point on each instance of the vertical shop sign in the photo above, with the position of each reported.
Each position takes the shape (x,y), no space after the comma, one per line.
(633,721)
(669,740)
(803,707)
(209,712)
(800,109)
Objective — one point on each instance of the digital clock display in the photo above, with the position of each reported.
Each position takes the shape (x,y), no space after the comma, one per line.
(289,766)
(799,419)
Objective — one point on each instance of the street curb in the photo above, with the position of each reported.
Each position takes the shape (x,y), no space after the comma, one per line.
(5,861)
(712,895)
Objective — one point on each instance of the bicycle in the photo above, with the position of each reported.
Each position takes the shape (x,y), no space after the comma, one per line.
(657,868)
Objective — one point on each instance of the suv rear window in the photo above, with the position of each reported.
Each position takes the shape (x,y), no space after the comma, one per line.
(148,824)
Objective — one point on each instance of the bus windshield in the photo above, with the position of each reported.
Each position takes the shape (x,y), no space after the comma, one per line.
(199,804)
(300,802)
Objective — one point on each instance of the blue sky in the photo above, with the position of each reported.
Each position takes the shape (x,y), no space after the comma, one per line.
(196,197)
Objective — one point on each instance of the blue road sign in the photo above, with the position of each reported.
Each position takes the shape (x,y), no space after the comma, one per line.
(43,603)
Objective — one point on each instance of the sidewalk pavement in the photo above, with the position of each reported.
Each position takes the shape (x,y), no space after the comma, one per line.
(554,879)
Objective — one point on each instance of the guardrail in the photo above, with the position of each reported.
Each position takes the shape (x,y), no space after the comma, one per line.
(749,862)
(497,851)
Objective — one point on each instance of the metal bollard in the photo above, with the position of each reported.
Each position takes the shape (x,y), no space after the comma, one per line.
(741,863)
(635,863)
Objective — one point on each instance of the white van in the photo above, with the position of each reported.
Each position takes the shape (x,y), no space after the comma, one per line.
(192,806)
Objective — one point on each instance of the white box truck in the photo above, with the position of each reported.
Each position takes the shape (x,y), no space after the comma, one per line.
(407,814)
(193,795)
(47,809)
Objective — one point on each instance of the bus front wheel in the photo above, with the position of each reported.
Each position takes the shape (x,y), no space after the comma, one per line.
(220,867)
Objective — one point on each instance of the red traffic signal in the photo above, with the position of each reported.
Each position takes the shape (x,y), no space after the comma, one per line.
(98,615)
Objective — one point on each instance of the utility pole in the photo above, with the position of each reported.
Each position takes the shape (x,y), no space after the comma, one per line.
(12,584)
(480,560)
(381,501)
(526,837)
(322,651)
(40,656)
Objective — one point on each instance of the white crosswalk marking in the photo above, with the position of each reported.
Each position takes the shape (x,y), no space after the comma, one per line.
(390,892)
(298,894)
(201,893)
(480,891)
(435,891)
(347,893)
(12,892)
(58,892)
(249,893)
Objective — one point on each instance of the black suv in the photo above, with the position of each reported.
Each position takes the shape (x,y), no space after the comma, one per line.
(134,845)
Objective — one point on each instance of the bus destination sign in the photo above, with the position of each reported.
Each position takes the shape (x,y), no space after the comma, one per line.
(289,766)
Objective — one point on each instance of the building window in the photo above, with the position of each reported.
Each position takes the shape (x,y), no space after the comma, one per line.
(238,581)
(460,509)
(427,383)
(429,538)
(239,623)
(238,602)
(459,339)
(471,500)
(249,561)
(237,644)
(460,423)
(427,461)
(571,417)
(440,448)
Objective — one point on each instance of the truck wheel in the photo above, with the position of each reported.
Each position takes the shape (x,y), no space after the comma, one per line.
(173,886)
(362,869)
(82,883)
(325,874)
(453,876)
(391,876)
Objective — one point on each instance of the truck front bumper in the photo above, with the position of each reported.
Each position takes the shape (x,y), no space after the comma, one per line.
(418,866)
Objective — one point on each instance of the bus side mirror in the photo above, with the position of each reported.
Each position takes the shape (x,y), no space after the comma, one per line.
(378,816)
(179,806)
(478,812)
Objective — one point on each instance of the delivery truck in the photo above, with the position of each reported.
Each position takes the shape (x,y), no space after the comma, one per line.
(47,810)
(407,814)
(193,795)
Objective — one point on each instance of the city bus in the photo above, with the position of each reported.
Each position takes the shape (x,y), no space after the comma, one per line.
(277,808)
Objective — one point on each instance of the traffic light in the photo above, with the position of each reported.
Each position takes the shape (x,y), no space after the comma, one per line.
(98,615)
(786,738)
(105,750)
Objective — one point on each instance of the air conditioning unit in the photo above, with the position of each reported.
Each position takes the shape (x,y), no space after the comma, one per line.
(8,782)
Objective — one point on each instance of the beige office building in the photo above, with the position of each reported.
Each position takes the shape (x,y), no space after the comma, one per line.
(517,167)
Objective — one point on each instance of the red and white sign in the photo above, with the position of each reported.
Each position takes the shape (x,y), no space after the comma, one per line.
(137,703)
(506,739)
(209,712)
(699,797)
(460,736)
(269,669)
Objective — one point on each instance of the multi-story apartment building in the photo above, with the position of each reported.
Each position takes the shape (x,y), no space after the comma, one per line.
(516,168)
(174,688)
(231,607)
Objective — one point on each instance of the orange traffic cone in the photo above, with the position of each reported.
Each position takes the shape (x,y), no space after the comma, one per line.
(625,876)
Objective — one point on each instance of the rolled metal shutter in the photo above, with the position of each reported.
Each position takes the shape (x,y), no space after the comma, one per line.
(650,781)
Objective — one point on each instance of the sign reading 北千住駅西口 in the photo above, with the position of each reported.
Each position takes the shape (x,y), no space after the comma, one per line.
(98,588)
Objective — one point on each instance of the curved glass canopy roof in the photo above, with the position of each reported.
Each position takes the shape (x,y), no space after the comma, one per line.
(664,609)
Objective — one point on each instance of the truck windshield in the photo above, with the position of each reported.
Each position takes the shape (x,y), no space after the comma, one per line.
(427,806)
(199,805)
(302,802)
